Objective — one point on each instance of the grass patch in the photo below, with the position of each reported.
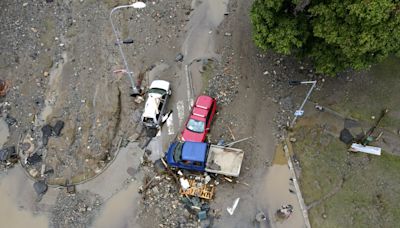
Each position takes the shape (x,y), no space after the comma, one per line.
(368,94)
(208,73)
(366,190)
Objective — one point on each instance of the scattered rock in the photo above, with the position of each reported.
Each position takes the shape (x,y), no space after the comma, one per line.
(33,159)
(40,187)
(179,57)
(293,140)
(64,213)
(346,136)
(8,153)
(46,133)
(33,172)
(128,41)
(58,127)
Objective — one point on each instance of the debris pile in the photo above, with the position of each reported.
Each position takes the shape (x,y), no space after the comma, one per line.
(174,205)
(74,210)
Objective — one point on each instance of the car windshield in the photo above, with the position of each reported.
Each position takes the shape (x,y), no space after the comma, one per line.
(195,126)
(178,152)
(157,90)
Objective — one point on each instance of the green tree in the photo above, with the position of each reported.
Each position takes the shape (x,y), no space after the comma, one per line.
(335,34)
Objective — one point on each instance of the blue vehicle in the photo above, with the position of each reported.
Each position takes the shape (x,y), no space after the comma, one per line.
(204,157)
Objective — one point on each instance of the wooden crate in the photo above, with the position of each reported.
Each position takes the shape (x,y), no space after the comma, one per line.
(204,192)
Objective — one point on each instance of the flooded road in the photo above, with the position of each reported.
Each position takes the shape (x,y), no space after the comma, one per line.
(119,187)
(17,204)
(276,193)
(200,39)
(120,210)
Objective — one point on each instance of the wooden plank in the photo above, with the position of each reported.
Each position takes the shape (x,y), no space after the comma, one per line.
(204,192)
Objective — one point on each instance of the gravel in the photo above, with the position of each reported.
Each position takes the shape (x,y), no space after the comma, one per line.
(76,210)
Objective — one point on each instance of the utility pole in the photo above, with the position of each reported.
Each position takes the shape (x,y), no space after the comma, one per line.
(137,5)
(300,111)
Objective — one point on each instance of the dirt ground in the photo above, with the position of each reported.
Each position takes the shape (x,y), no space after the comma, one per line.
(59,58)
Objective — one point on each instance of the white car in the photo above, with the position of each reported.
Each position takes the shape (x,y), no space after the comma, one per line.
(156,103)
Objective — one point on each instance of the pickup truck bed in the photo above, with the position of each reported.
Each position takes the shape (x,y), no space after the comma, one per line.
(224,160)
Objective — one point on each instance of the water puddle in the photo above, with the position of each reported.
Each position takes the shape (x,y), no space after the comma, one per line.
(120,210)
(52,91)
(112,179)
(200,39)
(275,192)
(18,201)
(279,158)
(4,132)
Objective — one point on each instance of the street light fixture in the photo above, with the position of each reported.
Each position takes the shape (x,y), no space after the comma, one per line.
(137,5)
(300,111)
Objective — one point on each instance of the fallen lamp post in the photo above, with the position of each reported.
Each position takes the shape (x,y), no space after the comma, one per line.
(136,90)
(299,112)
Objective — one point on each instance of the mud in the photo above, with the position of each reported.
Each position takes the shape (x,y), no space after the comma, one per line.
(4,132)
(18,206)
(53,90)
(202,27)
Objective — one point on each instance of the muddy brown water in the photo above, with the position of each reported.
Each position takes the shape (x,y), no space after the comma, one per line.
(276,185)
(17,204)
(120,210)
(276,193)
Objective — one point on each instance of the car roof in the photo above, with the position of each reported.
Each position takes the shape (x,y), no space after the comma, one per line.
(194,151)
(160,84)
(199,112)
(204,102)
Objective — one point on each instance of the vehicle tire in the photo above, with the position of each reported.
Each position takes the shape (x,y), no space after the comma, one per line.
(151,132)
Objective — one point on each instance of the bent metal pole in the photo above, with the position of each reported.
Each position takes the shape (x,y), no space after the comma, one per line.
(305,99)
(137,5)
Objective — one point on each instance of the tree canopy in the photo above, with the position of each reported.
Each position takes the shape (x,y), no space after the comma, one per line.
(335,34)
